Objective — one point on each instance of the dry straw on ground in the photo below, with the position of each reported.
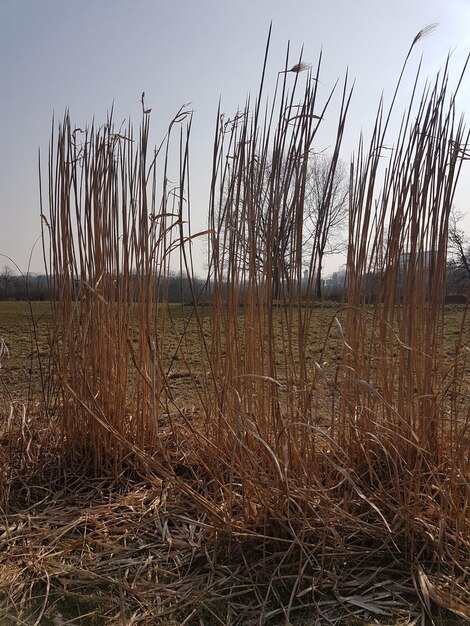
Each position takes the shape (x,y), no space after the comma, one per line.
(272,504)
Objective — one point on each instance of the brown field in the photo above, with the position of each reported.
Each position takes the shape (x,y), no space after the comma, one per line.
(26,327)
(26,330)
(111,510)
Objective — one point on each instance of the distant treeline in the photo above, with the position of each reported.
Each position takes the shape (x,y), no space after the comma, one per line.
(177,288)
(23,287)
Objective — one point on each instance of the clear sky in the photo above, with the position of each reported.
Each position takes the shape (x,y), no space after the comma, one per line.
(87,54)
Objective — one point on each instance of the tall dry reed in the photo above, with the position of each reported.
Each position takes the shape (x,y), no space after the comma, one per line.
(113,225)
(330,473)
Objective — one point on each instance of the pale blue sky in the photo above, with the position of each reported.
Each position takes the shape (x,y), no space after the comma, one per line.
(86,54)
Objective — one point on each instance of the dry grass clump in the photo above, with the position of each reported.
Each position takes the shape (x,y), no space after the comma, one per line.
(273,501)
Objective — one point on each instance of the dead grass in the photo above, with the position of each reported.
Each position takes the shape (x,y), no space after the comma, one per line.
(133,546)
(136,552)
(323,463)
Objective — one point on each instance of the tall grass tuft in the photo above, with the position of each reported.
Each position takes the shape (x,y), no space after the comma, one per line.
(316,475)
(377,476)
(113,224)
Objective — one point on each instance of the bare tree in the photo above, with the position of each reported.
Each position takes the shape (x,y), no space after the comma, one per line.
(326,211)
(6,276)
(459,243)
(324,208)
